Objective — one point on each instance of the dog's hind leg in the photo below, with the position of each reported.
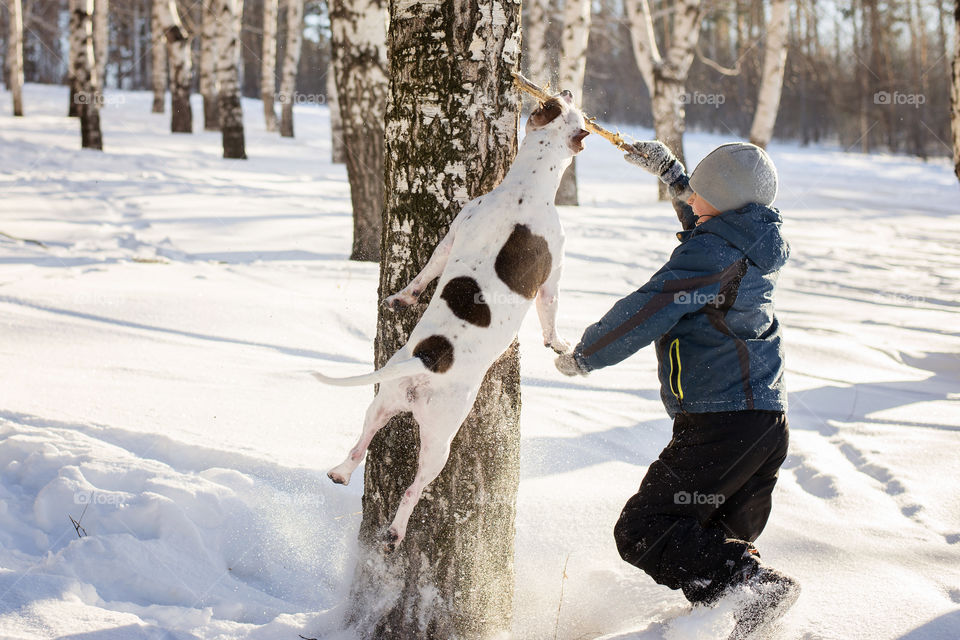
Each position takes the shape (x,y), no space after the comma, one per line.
(439,422)
(378,414)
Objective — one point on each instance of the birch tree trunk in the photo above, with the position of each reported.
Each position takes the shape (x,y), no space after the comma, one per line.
(338,154)
(955,91)
(268,62)
(73,110)
(84,73)
(576,33)
(15,55)
(358,31)
(771,82)
(230,14)
(666,75)
(158,55)
(535,34)
(209,87)
(181,68)
(101,39)
(291,60)
(453,575)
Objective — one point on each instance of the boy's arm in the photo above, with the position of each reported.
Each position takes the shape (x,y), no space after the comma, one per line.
(656,157)
(691,279)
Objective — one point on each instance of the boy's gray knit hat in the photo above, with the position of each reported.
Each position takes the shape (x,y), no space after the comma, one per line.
(735,174)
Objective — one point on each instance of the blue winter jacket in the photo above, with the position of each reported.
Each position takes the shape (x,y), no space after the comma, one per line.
(710,312)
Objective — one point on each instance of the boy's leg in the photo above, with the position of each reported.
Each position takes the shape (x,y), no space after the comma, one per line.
(744,514)
(669,528)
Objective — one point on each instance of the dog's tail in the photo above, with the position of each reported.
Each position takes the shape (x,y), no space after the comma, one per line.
(392,371)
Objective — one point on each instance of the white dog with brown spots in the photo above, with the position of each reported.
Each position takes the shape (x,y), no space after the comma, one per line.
(481,300)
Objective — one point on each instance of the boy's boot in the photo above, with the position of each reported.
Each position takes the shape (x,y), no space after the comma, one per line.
(762,595)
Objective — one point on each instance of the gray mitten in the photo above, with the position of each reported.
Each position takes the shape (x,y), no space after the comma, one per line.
(656,157)
(567,365)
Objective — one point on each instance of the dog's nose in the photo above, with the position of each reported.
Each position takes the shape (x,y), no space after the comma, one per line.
(566,95)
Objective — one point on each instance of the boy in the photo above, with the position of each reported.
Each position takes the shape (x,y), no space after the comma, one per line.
(692,524)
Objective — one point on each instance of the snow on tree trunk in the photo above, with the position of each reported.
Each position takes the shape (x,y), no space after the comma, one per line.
(337,152)
(101,39)
(535,34)
(291,59)
(84,74)
(268,63)
(771,82)
(158,55)
(666,76)
(451,133)
(208,67)
(230,14)
(955,92)
(15,55)
(576,33)
(358,41)
(181,69)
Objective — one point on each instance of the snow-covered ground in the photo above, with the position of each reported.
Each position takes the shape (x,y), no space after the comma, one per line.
(152,361)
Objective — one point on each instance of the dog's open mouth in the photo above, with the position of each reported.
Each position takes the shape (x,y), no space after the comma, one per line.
(576,142)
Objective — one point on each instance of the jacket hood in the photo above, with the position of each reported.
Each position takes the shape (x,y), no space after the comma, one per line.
(754,230)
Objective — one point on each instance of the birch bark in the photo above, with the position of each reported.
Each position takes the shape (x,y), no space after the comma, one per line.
(84,74)
(955,91)
(101,39)
(268,62)
(230,14)
(209,87)
(666,75)
(15,55)
(158,55)
(576,34)
(771,82)
(451,133)
(535,34)
(358,42)
(338,154)
(181,68)
(291,60)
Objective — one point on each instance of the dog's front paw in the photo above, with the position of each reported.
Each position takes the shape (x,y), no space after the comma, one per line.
(559,345)
(401,300)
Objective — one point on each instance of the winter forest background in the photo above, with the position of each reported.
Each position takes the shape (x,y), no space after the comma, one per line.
(844,57)
(241,197)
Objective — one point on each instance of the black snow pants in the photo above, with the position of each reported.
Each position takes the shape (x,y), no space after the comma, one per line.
(705,500)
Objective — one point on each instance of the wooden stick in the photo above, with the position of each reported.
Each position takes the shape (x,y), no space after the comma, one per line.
(616,139)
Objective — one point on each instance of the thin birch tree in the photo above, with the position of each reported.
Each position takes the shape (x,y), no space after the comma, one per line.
(158,55)
(209,88)
(573,63)
(771,82)
(15,54)
(268,62)
(453,575)
(101,39)
(955,91)
(535,34)
(230,14)
(85,74)
(291,60)
(666,75)
(358,41)
(181,68)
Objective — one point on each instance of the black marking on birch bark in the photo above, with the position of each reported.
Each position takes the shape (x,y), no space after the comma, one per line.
(436,353)
(524,262)
(465,299)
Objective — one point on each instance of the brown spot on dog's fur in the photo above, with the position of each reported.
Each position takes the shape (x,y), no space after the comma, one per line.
(524,262)
(465,299)
(546,113)
(436,352)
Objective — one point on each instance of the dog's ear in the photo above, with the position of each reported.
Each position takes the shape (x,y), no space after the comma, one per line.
(546,113)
